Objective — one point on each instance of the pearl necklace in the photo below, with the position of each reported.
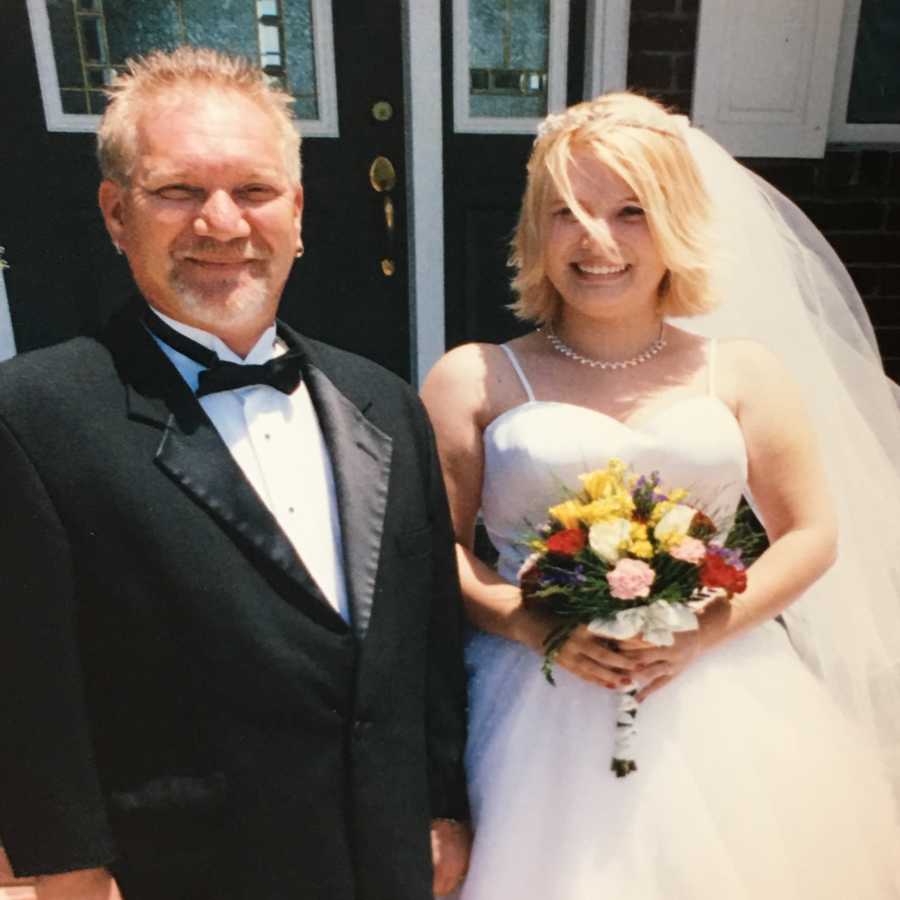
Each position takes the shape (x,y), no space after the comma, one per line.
(561,347)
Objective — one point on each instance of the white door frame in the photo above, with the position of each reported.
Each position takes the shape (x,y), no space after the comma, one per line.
(424,182)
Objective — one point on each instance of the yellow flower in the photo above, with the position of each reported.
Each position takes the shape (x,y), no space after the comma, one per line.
(639,541)
(659,510)
(641,549)
(617,506)
(604,482)
(568,514)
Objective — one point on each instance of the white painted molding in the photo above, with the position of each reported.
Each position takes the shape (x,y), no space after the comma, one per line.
(839,128)
(557,67)
(326,125)
(606,46)
(56,119)
(425,183)
(765,74)
(7,338)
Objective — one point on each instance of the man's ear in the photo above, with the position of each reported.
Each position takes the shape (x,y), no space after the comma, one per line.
(110,197)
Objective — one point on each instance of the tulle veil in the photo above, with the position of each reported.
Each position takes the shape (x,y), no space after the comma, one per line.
(783,285)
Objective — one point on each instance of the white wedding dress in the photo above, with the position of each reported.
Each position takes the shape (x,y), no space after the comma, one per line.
(750,783)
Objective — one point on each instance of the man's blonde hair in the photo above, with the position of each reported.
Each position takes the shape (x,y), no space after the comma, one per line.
(642,143)
(186,67)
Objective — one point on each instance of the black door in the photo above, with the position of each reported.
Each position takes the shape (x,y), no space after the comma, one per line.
(350,288)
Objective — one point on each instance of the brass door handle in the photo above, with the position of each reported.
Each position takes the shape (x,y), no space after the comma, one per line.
(383,178)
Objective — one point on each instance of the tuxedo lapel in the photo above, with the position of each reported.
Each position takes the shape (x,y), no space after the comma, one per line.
(361,461)
(193,454)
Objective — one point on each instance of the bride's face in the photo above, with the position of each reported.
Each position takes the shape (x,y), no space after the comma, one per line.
(613,267)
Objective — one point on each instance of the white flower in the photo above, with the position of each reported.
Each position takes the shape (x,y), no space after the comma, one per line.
(606,538)
(675,522)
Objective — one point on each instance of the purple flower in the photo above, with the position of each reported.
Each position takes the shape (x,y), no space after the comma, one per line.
(731,557)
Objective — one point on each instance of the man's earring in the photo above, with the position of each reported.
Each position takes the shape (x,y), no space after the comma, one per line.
(299,251)
(118,248)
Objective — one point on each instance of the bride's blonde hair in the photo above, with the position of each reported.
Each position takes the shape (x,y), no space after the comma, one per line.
(645,146)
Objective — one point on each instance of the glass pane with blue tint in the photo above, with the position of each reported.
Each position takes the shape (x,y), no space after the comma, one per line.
(875,85)
(68,58)
(226,25)
(300,55)
(91,38)
(93,46)
(135,27)
(509,43)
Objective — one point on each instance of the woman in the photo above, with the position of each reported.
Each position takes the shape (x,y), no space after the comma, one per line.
(752,781)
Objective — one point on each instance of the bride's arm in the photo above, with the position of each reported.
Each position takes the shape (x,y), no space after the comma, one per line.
(787,481)
(463,393)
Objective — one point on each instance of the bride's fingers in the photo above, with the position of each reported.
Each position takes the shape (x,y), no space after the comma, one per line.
(590,670)
(601,650)
(653,686)
(652,672)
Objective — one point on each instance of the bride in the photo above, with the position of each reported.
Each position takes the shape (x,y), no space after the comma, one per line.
(765,746)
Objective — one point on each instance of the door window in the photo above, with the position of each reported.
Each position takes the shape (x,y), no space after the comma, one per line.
(81,44)
(509,63)
(866,103)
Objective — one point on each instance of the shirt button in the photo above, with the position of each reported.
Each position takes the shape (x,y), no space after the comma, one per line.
(291,510)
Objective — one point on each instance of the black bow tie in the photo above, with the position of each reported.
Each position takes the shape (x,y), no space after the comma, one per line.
(282,372)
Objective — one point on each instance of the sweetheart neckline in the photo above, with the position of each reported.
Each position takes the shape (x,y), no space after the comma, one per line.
(642,421)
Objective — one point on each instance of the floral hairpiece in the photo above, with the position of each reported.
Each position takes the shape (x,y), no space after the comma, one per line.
(578,118)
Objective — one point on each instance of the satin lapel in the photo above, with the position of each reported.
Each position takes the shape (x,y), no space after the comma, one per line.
(193,454)
(361,461)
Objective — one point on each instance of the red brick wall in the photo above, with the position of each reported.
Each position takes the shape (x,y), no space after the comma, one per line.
(853,194)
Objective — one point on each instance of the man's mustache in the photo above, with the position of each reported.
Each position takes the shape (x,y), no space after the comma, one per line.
(211,250)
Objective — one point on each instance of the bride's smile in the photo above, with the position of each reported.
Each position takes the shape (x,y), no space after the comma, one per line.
(600,254)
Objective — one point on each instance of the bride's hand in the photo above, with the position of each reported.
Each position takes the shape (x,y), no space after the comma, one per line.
(586,655)
(657,666)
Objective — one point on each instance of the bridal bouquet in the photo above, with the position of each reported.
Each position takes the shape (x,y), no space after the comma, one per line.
(628,559)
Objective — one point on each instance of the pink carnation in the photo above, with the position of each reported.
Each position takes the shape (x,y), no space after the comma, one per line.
(630,578)
(690,550)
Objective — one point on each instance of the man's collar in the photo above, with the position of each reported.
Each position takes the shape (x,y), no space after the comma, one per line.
(261,352)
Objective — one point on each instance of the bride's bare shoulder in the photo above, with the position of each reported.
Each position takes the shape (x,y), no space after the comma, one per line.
(474,380)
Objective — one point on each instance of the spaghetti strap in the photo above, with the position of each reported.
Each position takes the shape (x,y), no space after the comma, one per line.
(515,364)
(711,366)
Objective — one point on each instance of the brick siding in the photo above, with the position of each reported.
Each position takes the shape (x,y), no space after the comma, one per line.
(853,194)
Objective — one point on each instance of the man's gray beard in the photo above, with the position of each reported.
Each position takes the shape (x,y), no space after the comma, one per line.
(206,307)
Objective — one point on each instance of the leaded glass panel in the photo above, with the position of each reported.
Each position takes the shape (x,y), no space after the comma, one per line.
(875,85)
(93,38)
(509,44)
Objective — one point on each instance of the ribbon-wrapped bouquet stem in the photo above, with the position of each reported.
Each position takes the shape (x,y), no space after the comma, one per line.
(629,559)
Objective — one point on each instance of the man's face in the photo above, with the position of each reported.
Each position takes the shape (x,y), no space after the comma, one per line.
(210,221)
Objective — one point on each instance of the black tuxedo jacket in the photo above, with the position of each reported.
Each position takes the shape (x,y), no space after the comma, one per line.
(178,700)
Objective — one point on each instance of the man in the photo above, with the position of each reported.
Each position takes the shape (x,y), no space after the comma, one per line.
(230,629)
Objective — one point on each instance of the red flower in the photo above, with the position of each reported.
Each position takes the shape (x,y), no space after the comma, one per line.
(567,543)
(716,573)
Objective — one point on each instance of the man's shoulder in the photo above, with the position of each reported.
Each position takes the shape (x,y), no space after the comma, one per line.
(63,370)
(333,359)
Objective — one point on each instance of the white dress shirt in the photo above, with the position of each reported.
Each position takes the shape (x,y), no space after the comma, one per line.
(276,440)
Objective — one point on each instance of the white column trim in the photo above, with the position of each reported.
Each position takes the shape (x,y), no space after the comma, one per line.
(606,46)
(424,183)
(7,337)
